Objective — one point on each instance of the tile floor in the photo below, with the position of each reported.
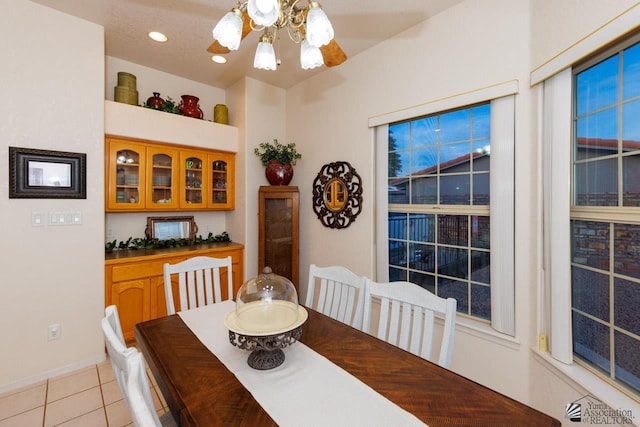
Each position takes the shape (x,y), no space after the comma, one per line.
(89,397)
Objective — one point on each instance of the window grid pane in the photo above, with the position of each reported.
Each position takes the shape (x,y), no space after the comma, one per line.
(442,160)
(446,254)
(605,254)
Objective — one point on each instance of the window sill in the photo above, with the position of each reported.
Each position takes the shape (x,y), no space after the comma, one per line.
(580,378)
(486,332)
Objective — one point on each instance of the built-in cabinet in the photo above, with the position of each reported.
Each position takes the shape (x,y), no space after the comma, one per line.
(152,176)
(278,225)
(134,280)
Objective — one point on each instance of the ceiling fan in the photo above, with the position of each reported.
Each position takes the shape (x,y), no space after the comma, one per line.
(272,16)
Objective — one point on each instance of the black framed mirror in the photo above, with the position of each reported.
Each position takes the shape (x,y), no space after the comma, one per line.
(337,195)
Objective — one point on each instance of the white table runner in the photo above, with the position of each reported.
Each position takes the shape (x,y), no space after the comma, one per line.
(306,390)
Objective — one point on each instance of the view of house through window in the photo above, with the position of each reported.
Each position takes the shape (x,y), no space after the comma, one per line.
(605,219)
(438,194)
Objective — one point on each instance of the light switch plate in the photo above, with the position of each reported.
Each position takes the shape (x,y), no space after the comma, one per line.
(76,218)
(37,219)
(54,218)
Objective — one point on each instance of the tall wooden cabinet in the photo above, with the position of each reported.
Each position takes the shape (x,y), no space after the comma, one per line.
(278,224)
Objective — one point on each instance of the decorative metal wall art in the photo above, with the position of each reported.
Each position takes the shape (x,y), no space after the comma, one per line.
(337,195)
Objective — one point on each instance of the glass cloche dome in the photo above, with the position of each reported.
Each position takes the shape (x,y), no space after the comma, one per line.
(266,305)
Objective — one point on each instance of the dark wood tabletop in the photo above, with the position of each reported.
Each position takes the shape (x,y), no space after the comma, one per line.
(200,391)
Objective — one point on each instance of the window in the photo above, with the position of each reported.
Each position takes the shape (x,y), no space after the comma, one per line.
(605,219)
(442,168)
(439,194)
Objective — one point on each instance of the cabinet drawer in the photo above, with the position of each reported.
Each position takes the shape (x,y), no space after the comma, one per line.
(138,270)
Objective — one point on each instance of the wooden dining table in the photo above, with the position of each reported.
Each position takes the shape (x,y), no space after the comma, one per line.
(201,391)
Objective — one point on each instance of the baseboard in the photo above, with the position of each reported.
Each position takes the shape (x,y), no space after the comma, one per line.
(26,382)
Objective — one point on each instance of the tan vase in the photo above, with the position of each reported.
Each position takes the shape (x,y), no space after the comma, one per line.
(221,114)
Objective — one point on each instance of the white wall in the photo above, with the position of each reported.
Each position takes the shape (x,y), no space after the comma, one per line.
(557,25)
(261,108)
(149,80)
(52,80)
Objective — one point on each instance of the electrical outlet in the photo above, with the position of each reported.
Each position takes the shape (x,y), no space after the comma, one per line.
(54,332)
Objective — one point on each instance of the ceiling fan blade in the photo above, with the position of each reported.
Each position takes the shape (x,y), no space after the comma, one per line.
(217,48)
(333,54)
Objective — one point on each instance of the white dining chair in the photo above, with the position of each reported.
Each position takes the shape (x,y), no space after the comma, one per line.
(339,294)
(116,346)
(198,282)
(121,361)
(140,402)
(407,318)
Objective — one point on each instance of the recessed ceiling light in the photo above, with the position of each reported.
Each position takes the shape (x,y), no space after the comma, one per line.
(218,59)
(159,37)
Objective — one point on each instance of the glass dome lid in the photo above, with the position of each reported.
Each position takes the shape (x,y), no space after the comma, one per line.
(266,305)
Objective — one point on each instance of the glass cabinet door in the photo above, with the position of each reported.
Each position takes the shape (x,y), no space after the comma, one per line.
(143,176)
(127,180)
(162,174)
(222,181)
(278,235)
(193,181)
(278,225)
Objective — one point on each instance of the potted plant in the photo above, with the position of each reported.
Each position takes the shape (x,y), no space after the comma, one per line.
(278,160)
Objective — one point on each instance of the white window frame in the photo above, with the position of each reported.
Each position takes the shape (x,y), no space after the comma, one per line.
(554,84)
(502,190)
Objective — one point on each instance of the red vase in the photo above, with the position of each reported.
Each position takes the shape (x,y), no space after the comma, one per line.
(155,101)
(278,173)
(189,106)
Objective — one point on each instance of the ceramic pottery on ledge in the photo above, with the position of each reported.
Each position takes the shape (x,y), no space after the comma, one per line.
(278,173)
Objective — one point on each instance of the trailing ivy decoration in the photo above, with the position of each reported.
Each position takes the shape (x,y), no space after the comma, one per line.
(147,243)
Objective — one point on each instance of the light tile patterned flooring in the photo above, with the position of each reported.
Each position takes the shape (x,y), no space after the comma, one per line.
(89,397)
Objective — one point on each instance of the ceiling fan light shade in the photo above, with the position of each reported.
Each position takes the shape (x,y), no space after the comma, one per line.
(310,56)
(228,31)
(264,18)
(319,30)
(266,6)
(265,58)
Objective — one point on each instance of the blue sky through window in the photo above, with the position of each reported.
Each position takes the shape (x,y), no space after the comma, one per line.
(421,144)
(598,97)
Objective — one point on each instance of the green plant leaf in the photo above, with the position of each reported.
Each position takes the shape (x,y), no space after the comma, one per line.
(267,151)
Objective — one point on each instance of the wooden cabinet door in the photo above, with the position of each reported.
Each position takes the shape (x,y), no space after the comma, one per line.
(125,170)
(278,230)
(162,178)
(221,181)
(136,287)
(159,299)
(133,300)
(194,184)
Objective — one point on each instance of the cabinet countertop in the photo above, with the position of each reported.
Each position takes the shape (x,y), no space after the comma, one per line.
(126,255)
